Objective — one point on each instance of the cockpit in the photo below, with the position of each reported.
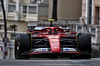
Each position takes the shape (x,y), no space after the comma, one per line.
(52,31)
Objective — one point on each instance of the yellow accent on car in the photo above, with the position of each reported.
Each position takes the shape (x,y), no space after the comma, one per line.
(54,39)
(55,49)
(51,19)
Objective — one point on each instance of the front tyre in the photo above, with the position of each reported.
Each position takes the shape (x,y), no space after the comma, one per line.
(22,44)
(84,44)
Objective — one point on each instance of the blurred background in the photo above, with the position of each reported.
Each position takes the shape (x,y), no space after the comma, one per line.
(23,13)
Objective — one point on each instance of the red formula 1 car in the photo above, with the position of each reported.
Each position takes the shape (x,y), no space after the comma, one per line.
(53,42)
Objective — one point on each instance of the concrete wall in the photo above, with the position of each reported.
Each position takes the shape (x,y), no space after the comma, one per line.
(11,16)
(43,12)
(95,11)
(50,9)
(45,1)
(21,25)
(97,2)
(83,8)
(25,1)
(67,9)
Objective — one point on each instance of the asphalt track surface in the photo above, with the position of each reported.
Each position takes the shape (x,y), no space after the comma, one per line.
(51,62)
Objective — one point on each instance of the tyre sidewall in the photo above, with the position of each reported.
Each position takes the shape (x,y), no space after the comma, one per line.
(84,42)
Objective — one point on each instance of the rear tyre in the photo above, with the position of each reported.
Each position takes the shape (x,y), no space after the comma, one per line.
(22,44)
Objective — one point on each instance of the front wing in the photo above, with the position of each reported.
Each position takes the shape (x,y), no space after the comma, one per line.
(48,51)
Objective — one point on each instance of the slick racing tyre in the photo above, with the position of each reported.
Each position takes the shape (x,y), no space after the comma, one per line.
(84,41)
(83,45)
(22,44)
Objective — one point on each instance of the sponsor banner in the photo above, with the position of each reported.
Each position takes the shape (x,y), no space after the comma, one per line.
(69,49)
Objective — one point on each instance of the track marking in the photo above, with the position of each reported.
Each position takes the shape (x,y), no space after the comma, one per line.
(46,60)
(63,64)
(49,60)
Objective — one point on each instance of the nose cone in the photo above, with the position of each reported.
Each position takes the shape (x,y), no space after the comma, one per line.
(55,48)
(54,43)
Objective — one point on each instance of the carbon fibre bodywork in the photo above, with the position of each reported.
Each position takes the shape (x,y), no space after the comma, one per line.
(53,41)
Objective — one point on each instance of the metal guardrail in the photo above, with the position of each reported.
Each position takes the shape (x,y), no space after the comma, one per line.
(9,44)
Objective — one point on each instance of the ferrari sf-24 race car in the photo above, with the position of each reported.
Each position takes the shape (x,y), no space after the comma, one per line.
(53,42)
